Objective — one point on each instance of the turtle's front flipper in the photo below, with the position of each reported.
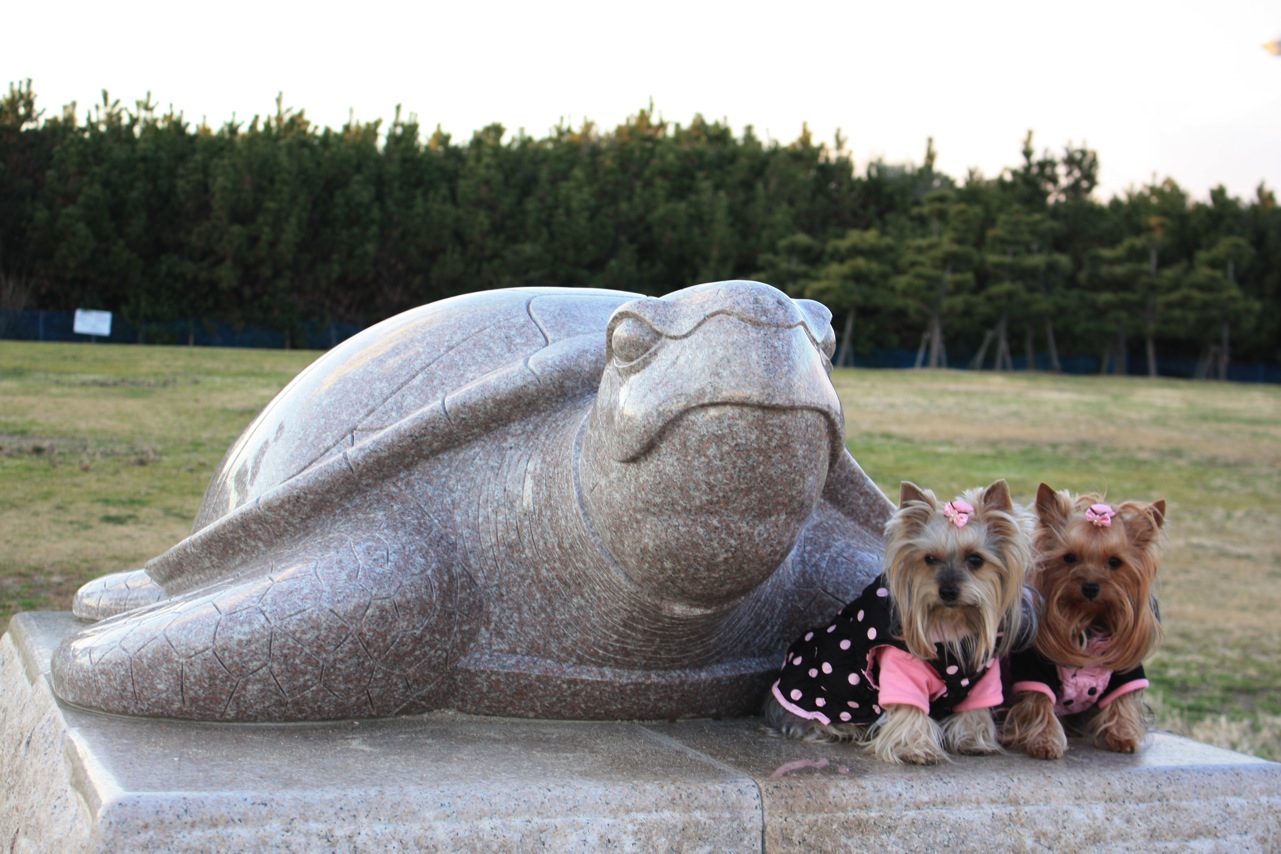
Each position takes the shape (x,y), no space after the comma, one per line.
(336,626)
(842,547)
(852,493)
(114,594)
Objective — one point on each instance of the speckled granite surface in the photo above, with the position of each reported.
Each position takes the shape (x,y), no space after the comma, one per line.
(81,781)
(554,503)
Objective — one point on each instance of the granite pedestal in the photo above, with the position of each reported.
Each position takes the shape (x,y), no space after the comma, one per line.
(81,781)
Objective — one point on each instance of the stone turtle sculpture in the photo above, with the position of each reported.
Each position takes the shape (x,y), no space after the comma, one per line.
(537,502)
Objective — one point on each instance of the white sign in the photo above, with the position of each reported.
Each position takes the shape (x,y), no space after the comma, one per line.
(90,322)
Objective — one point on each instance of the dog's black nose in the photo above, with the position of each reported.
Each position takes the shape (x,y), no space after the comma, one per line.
(949,592)
(1089,591)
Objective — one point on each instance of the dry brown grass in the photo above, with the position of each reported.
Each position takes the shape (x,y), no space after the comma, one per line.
(1138,416)
(105,452)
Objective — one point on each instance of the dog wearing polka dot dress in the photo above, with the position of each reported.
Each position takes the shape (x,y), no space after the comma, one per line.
(911,667)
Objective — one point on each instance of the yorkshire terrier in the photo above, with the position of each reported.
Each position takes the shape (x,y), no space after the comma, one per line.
(1096,566)
(910,668)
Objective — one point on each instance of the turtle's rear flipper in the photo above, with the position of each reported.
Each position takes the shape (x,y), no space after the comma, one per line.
(343,625)
(114,594)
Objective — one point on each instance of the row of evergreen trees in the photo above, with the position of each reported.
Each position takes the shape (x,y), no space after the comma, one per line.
(277,222)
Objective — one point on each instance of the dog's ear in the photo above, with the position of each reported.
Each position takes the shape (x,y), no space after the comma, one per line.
(915,508)
(997,497)
(1051,507)
(909,491)
(1143,523)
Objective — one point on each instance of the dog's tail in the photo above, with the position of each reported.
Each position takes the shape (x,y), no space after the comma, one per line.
(780,723)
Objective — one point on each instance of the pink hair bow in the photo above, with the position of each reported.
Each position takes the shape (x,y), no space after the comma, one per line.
(1100,515)
(958,512)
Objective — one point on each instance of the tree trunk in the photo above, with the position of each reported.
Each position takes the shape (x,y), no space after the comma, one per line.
(938,352)
(920,351)
(1224,354)
(1224,350)
(1003,360)
(1052,347)
(1203,362)
(1149,325)
(845,359)
(15,291)
(976,364)
(938,355)
(1030,347)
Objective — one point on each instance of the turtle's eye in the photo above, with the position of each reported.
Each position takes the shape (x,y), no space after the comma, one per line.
(819,321)
(632,338)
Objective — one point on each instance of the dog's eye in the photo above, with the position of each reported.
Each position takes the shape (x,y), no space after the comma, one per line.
(931,560)
(1069,558)
(974,561)
(1114,562)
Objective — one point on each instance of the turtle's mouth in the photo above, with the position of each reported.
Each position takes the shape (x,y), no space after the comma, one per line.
(717,504)
(728,425)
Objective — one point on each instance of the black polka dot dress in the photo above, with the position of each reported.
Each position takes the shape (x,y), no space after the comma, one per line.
(830,673)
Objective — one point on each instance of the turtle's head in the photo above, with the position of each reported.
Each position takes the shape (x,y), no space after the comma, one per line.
(710,438)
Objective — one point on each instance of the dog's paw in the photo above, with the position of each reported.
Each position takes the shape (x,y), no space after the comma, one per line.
(1032,727)
(1120,727)
(1118,742)
(1048,745)
(906,734)
(976,748)
(971,733)
(924,753)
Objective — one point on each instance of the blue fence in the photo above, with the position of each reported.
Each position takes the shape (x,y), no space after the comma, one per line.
(57,326)
(1173,366)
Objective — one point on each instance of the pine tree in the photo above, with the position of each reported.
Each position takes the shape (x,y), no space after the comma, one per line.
(853,277)
(938,271)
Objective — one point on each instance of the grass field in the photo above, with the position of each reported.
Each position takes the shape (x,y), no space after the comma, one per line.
(105,452)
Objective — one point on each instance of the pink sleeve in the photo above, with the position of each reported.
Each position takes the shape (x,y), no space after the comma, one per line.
(1133,685)
(1037,687)
(905,679)
(985,693)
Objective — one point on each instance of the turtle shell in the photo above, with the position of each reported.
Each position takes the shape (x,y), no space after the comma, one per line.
(469,348)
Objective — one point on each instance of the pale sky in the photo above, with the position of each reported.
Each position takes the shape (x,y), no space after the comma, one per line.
(1166,89)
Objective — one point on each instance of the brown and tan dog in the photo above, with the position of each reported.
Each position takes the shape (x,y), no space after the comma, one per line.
(1096,570)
